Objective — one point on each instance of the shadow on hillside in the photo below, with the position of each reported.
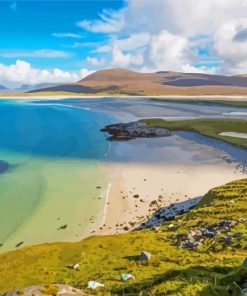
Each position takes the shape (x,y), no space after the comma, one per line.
(169,213)
(79,88)
(222,281)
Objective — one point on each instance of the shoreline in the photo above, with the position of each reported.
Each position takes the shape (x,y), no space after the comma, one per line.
(81,96)
(157,187)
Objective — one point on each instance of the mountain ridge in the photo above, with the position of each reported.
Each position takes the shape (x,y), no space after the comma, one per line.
(128,82)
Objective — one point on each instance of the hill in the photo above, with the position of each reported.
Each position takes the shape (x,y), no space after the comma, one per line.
(123,81)
(197,253)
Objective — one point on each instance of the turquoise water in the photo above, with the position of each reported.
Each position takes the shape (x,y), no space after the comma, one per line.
(53,155)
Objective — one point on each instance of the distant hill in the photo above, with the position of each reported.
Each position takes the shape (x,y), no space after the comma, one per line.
(123,81)
(29,87)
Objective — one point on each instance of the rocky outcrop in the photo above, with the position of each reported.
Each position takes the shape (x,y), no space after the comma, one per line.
(53,290)
(133,130)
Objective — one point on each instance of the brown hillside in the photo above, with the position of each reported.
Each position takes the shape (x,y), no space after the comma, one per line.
(123,81)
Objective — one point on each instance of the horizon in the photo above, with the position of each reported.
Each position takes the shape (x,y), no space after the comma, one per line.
(64,41)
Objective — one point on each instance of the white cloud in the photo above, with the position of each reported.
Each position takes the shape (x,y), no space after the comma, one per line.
(119,59)
(231,45)
(23,73)
(95,62)
(40,53)
(66,35)
(169,50)
(109,22)
(171,33)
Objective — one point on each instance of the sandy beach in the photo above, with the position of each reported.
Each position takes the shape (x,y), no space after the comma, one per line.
(135,186)
(47,96)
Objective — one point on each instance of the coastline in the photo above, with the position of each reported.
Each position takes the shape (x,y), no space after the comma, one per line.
(47,96)
(159,185)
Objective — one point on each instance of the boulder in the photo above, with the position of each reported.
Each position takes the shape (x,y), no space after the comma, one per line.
(145,256)
(44,290)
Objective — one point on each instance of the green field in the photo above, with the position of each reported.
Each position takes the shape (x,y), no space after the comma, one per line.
(210,270)
(207,127)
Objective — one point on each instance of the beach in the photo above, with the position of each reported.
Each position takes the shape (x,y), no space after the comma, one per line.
(71,183)
(135,186)
(48,96)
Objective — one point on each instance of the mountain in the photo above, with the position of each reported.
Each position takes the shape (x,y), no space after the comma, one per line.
(123,81)
(29,87)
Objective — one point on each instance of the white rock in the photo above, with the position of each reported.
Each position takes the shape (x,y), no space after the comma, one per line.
(94,285)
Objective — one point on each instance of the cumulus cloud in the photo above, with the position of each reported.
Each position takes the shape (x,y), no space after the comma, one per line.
(120,59)
(23,73)
(193,35)
(95,62)
(231,43)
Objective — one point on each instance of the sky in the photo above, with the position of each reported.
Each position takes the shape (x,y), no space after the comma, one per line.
(64,41)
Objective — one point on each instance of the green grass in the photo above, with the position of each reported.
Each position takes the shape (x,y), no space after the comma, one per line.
(207,127)
(171,271)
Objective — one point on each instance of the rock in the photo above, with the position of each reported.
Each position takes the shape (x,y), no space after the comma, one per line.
(145,256)
(136,196)
(44,290)
(245,262)
(133,130)
(94,285)
(73,266)
(4,166)
(19,244)
(127,277)
(171,226)
(63,227)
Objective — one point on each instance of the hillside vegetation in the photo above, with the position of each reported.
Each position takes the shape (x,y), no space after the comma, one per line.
(214,268)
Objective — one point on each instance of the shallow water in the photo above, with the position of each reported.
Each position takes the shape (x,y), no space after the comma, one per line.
(55,154)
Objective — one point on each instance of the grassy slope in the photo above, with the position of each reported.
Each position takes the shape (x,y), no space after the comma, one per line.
(208,127)
(171,271)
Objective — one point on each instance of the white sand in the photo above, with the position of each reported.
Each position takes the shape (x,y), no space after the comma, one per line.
(82,96)
(234,135)
(173,184)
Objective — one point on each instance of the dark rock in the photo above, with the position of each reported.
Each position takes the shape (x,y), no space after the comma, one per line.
(63,227)
(4,166)
(133,130)
(19,244)
(145,256)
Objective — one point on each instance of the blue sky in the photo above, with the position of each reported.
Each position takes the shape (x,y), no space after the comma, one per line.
(28,26)
(63,41)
